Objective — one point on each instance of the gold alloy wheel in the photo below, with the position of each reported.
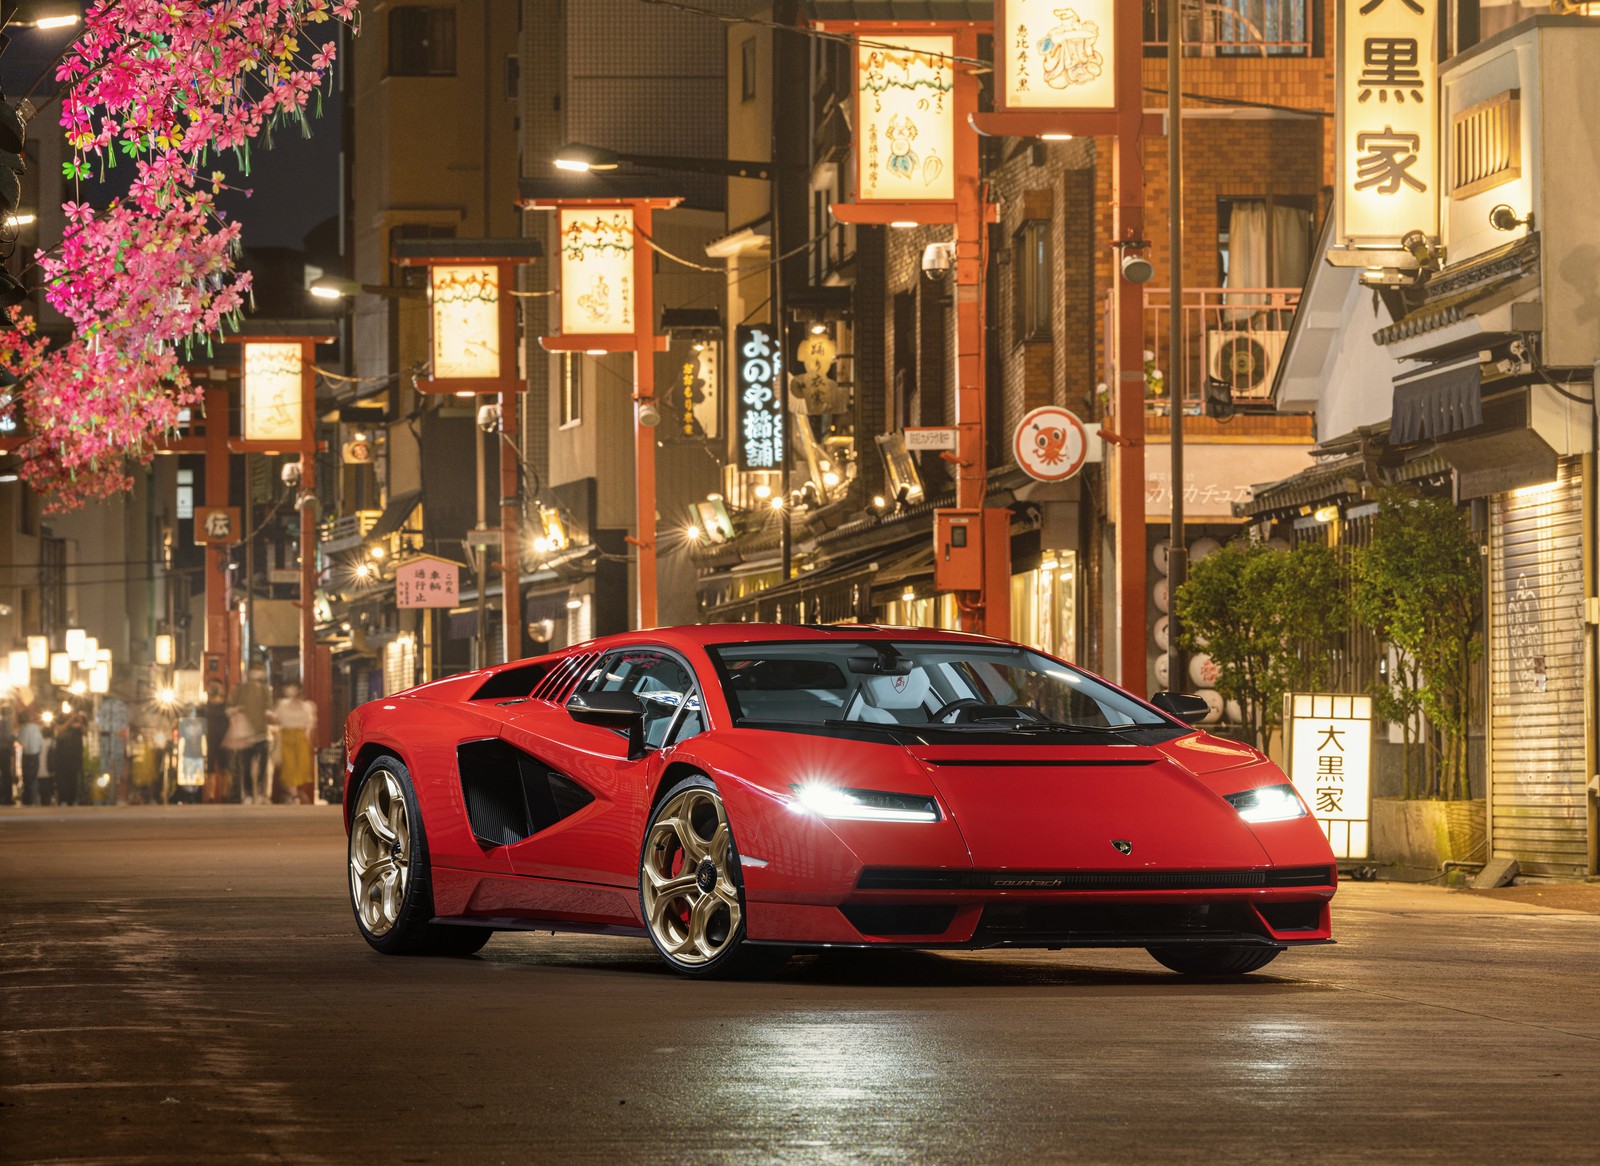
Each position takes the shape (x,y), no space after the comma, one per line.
(380,852)
(691,898)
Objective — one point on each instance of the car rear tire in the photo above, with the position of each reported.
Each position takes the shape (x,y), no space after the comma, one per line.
(391,889)
(1214,961)
(691,888)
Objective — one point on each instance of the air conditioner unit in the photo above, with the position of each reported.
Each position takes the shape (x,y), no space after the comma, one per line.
(1245,361)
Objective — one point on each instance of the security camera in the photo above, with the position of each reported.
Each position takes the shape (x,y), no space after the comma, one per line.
(938,259)
(488,418)
(1136,268)
(649,415)
(290,474)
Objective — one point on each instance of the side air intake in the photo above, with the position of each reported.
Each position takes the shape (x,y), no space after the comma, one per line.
(511,795)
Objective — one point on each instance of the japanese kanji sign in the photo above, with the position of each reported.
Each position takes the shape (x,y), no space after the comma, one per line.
(272,390)
(1056,54)
(427,582)
(465,303)
(905,119)
(1388,121)
(759,401)
(1330,763)
(216,525)
(597,270)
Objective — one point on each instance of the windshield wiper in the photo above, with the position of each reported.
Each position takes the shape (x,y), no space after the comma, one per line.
(1067,727)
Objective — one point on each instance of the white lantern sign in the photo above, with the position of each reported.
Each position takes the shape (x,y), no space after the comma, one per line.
(272,389)
(1387,113)
(465,301)
(905,119)
(1056,54)
(597,270)
(1330,762)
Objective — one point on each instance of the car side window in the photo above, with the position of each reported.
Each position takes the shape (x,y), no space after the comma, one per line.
(662,684)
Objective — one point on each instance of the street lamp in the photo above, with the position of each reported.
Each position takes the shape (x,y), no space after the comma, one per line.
(337,287)
(580,158)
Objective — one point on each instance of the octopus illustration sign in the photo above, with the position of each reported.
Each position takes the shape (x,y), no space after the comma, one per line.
(1056,55)
(465,303)
(1051,444)
(906,122)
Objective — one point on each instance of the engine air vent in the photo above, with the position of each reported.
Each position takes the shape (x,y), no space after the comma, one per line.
(511,795)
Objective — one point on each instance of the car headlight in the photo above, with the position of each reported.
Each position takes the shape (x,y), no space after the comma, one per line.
(1267,803)
(863,805)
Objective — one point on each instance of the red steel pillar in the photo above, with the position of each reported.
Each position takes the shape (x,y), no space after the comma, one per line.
(644,435)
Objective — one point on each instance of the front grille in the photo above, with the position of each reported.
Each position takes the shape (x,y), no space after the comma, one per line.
(1111,924)
(948,879)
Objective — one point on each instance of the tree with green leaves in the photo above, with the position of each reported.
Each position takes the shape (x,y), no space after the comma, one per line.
(1419,587)
(1269,619)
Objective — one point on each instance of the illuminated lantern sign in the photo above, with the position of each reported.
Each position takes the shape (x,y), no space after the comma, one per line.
(1330,763)
(1388,113)
(597,270)
(466,321)
(272,388)
(905,119)
(1056,54)
(759,402)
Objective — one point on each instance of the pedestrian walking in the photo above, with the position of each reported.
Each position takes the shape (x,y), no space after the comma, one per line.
(47,777)
(219,778)
(191,757)
(248,733)
(8,761)
(296,719)
(66,760)
(32,738)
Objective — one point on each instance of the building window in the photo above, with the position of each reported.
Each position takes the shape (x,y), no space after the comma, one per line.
(422,42)
(513,77)
(1264,242)
(1030,260)
(747,69)
(571,389)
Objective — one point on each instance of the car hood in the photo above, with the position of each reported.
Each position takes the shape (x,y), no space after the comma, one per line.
(1069,808)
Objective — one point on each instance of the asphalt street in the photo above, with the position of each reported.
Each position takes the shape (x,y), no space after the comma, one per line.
(184,984)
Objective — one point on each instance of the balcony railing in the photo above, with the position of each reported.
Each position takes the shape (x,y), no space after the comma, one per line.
(1234,28)
(1231,343)
(347,531)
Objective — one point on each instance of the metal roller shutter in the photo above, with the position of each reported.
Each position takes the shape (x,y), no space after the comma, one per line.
(1536,676)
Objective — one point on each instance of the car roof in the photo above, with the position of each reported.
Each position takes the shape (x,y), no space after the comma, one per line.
(711,635)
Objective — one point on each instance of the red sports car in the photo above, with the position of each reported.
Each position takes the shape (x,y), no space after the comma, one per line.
(737,791)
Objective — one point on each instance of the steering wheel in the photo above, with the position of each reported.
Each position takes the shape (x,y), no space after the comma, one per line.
(965,702)
(979,710)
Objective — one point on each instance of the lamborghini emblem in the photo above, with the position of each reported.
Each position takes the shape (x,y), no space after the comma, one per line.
(1123,845)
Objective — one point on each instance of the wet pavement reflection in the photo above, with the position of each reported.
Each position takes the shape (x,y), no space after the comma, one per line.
(185,984)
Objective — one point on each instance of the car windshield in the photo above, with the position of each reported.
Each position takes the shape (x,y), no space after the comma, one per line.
(920,684)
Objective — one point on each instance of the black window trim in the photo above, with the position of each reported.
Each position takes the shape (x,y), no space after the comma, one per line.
(668,740)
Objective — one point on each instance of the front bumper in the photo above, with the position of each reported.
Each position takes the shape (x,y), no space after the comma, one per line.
(964,908)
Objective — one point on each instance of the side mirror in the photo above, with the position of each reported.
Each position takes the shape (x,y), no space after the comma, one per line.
(1191,710)
(621,711)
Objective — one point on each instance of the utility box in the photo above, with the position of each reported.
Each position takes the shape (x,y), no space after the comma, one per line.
(958,550)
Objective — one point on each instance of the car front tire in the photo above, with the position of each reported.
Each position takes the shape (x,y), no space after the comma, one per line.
(1222,960)
(691,888)
(391,889)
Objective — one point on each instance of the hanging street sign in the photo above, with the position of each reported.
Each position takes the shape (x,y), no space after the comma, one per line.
(1051,444)
(216,526)
(273,385)
(1057,55)
(597,287)
(1387,113)
(905,119)
(759,402)
(465,302)
(427,582)
(930,437)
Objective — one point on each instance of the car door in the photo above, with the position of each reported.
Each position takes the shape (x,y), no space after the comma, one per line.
(592,775)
